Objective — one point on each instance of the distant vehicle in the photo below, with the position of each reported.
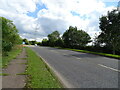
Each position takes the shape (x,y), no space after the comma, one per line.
(35,44)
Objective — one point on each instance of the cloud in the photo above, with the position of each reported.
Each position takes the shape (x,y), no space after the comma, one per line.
(18,6)
(86,18)
(57,15)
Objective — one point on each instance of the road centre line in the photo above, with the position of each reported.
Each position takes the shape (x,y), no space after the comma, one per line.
(53,51)
(78,58)
(65,54)
(109,68)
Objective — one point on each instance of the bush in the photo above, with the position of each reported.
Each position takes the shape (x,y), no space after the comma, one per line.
(6,46)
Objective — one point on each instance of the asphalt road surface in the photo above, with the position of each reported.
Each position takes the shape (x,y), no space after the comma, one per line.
(81,70)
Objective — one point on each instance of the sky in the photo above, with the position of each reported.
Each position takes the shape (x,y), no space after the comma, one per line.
(35,19)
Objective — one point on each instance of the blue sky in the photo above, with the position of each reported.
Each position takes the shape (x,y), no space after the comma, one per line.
(111,4)
(38,8)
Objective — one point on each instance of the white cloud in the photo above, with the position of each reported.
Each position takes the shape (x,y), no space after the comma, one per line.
(61,10)
(18,6)
(57,16)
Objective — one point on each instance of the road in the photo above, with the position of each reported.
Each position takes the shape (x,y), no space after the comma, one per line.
(81,70)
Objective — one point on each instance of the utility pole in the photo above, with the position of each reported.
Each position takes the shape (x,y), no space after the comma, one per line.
(36,30)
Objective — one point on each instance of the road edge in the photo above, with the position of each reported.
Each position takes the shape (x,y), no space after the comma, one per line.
(64,83)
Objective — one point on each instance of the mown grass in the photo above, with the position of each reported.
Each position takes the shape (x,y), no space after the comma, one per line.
(0,61)
(11,55)
(85,51)
(4,74)
(24,73)
(103,54)
(38,74)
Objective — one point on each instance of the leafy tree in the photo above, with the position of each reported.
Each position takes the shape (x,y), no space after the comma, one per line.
(10,36)
(53,37)
(26,41)
(39,43)
(33,42)
(69,36)
(110,27)
(75,38)
(59,42)
(45,42)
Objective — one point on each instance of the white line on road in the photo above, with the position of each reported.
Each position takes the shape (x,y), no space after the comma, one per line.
(65,54)
(109,68)
(54,51)
(78,58)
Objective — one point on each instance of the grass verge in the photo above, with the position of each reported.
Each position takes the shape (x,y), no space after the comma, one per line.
(38,74)
(4,74)
(103,54)
(11,55)
(24,73)
(97,53)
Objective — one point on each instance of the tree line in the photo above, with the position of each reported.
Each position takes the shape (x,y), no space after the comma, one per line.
(72,38)
(108,41)
(10,36)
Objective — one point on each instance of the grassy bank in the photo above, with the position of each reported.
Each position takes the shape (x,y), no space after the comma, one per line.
(97,53)
(11,55)
(39,75)
(103,54)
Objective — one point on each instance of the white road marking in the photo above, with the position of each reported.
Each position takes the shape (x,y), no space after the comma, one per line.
(54,51)
(109,68)
(78,58)
(65,54)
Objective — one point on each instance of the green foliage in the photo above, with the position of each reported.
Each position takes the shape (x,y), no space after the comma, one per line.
(39,43)
(33,42)
(26,41)
(71,38)
(10,36)
(75,38)
(45,42)
(11,55)
(110,27)
(4,74)
(59,42)
(53,37)
(97,53)
(7,46)
(38,74)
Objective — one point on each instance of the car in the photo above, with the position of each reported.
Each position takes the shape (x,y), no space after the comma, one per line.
(35,44)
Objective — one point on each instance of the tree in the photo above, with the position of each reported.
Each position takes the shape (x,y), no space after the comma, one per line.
(10,36)
(53,37)
(110,27)
(45,42)
(75,38)
(26,41)
(39,43)
(59,42)
(69,36)
(33,42)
